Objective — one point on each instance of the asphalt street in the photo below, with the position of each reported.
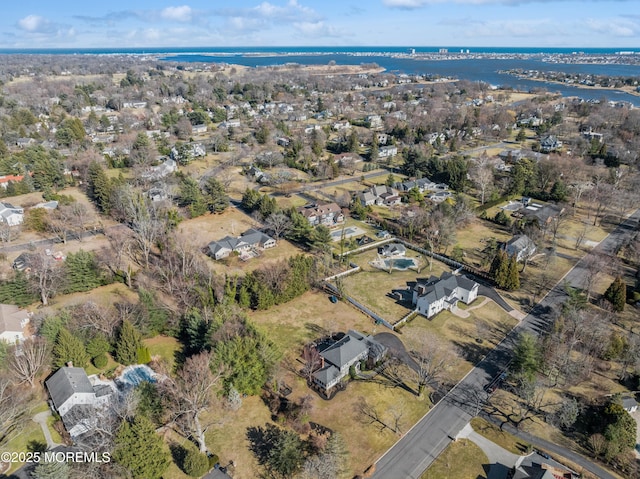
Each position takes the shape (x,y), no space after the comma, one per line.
(419,447)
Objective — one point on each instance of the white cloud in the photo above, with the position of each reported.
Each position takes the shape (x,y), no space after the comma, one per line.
(317,29)
(616,27)
(34,23)
(411,4)
(290,12)
(182,13)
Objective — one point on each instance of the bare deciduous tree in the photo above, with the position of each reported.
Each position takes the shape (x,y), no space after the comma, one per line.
(28,360)
(482,174)
(279,224)
(312,361)
(13,408)
(434,360)
(191,393)
(145,220)
(46,276)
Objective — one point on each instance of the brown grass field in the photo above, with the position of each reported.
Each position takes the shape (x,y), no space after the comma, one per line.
(462,459)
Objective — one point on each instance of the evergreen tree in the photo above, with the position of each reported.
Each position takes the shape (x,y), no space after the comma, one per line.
(250,199)
(144,356)
(127,344)
(17,291)
(98,345)
(521,136)
(513,275)
(82,272)
(287,455)
(526,356)
(69,348)
(139,449)
(559,191)
(616,294)
(51,470)
(215,195)
(502,270)
(195,464)
(100,187)
(191,196)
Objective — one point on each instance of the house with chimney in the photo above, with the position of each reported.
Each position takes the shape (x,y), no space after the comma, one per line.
(329,214)
(339,356)
(77,398)
(380,195)
(436,294)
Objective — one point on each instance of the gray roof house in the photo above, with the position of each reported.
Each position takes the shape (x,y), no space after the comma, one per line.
(432,296)
(392,249)
(520,246)
(421,184)
(341,355)
(550,143)
(328,215)
(74,397)
(379,195)
(224,247)
(251,238)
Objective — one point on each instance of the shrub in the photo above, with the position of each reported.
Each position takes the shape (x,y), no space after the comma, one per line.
(213,460)
(144,356)
(100,361)
(195,463)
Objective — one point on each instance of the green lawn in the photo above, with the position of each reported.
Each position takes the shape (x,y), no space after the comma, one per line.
(461,460)
(165,347)
(371,286)
(31,432)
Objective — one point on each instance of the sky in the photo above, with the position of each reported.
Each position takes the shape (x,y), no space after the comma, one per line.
(218,23)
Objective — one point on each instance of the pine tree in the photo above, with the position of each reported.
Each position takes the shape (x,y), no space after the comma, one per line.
(69,348)
(128,343)
(139,449)
(502,270)
(82,272)
(51,470)
(616,294)
(100,187)
(513,275)
(216,196)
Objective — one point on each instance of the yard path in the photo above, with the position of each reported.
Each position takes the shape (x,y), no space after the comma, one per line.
(464,313)
(41,418)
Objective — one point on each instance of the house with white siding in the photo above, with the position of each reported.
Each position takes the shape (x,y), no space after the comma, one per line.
(436,294)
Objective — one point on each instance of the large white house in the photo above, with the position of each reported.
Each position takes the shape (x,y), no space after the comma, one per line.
(436,294)
(76,399)
(13,323)
(11,215)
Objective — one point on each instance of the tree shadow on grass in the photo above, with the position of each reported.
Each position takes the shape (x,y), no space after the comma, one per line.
(178,453)
(262,440)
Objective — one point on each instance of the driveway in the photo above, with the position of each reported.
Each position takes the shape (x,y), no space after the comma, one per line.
(500,460)
(396,348)
(41,418)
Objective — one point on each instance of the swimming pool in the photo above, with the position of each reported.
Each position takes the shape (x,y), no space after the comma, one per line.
(401,264)
(133,376)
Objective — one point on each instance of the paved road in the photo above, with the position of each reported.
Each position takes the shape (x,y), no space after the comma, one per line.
(415,451)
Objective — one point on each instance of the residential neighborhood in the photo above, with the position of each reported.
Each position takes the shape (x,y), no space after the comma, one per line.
(322,270)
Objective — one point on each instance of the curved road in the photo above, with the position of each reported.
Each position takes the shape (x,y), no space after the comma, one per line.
(422,444)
